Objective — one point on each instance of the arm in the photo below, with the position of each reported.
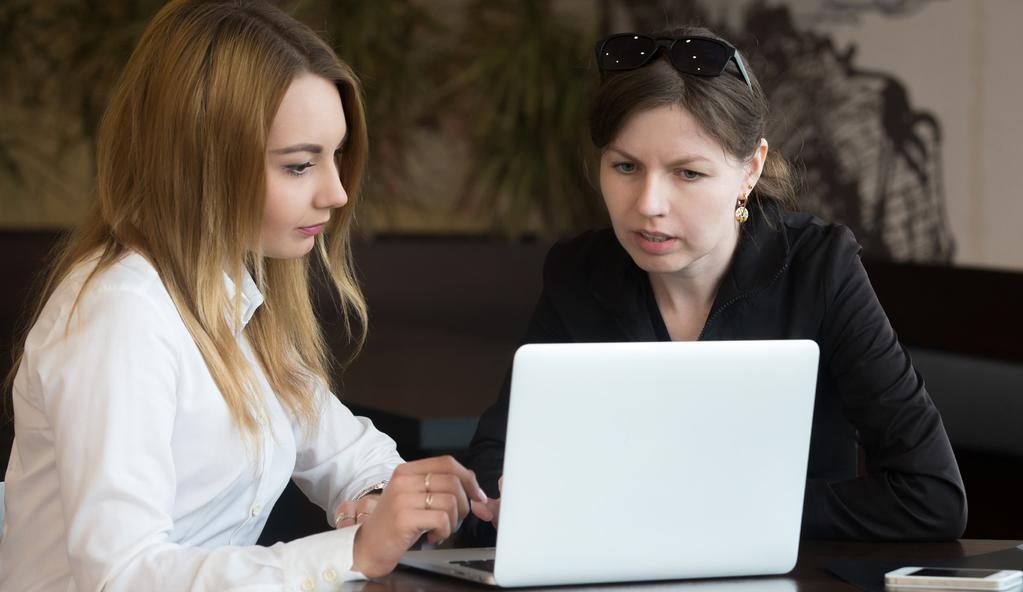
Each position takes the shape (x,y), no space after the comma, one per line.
(109,390)
(912,489)
(486,451)
(344,457)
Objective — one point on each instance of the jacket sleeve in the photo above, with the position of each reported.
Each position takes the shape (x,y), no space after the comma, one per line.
(486,451)
(912,488)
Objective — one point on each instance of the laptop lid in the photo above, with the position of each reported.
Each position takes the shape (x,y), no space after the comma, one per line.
(647,461)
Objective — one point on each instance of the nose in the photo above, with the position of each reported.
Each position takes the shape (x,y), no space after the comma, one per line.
(331,193)
(652,201)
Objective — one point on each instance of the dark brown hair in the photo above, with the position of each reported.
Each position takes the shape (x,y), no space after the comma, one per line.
(728,111)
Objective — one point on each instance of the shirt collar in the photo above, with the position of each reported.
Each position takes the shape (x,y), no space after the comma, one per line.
(251,297)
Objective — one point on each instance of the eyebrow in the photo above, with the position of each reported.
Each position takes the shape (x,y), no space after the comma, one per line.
(677,162)
(311,148)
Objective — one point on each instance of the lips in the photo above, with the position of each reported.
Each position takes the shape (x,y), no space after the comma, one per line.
(654,243)
(312,230)
(655,237)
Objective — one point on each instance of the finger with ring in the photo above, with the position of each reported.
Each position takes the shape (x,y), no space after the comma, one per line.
(342,517)
(429,501)
(426,483)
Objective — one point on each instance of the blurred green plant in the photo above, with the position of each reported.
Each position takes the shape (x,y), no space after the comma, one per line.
(529,82)
(58,62)
(507,77)
(386,43)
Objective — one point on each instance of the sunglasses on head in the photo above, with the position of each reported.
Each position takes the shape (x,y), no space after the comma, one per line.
(699,56)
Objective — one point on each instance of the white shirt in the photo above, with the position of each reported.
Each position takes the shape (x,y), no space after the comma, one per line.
(129,473)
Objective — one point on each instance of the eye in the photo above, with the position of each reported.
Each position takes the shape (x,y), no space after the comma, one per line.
(624,167)
(298,169)
(690,175)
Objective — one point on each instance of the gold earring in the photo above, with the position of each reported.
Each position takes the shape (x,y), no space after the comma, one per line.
(741,213)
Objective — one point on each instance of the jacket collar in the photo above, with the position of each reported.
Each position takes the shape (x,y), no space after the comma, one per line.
(621,286)
(762,252)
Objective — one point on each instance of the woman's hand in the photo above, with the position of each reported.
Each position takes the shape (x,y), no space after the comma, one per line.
(428,496)
(493,506)
(351,512)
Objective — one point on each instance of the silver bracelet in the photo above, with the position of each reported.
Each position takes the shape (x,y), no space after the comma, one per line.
(375,488)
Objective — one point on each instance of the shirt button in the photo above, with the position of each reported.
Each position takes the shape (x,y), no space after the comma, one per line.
(308,584)
(330,575)
(255,509)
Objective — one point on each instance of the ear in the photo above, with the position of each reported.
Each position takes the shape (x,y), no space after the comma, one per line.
(755,165)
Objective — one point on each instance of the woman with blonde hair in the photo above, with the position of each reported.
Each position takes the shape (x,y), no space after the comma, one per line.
(175,377)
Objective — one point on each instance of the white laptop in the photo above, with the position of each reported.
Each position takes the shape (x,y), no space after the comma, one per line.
(648,461)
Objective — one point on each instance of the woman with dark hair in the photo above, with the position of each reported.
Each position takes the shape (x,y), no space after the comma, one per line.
(703,247)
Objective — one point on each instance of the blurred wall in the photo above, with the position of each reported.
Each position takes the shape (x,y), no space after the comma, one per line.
(902,114)
(960,61)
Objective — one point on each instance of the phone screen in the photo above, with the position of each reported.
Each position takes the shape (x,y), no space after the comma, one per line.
(954,573)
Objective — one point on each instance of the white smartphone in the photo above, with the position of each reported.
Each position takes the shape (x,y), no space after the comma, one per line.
(953,578)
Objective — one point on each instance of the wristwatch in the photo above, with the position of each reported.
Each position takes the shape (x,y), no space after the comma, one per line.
(372,489)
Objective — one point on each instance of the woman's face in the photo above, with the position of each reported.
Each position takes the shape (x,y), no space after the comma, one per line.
(671,192)
(302,181)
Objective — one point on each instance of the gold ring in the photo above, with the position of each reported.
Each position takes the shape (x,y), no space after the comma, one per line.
(429,501)
(360,515)
(341,518)
(426,483)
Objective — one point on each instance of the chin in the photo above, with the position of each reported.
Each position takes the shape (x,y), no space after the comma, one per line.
(660,263)
(289,252)
(663,267)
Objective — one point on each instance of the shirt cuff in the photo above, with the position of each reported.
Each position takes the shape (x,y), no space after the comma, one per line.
(350,492)
(377,487)
(321,561)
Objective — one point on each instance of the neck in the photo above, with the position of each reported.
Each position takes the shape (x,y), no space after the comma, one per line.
(676,293)
(694,287)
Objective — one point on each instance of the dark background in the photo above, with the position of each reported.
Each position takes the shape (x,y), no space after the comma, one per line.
(447,315)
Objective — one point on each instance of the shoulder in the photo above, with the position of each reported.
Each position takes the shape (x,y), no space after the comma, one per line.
(128,294)
(825,255)
(130,279)
(813,240)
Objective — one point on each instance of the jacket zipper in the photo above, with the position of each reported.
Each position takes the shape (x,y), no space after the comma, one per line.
(739,297)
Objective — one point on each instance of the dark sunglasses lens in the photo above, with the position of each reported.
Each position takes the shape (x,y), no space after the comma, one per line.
(702,57)
(626,52)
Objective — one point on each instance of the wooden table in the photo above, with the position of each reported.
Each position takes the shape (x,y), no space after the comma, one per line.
(808,575)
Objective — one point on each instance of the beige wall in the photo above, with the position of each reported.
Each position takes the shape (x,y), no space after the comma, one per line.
(961,60)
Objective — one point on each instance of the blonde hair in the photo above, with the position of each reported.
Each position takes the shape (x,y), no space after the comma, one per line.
(182,180)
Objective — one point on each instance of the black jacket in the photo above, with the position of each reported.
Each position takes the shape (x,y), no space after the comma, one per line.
(793,276)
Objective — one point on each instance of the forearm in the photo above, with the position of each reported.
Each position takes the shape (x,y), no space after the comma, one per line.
(347,456)
(319,559)
(884,506)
